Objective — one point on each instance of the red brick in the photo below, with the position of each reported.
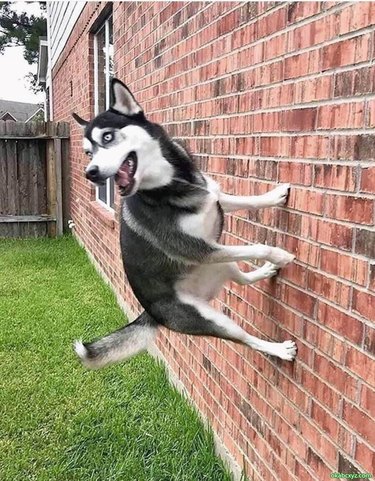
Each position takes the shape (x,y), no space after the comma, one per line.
(365,457)
(318,444)
(318,88)
(363,80)
(329,288)
(343,86)
(345,147)
(332,346)
(368,400)
(341,116)
(309,34)
(293,393)
(346,52)
(346,440)
(321,391)
(295,172)
(354,209)
(345,266)
(302,64)
(342,381)
(335,235)
(371,108)
(340,323)
(304,251)
(306,200)
(274,22)
(338,177)
(325,420)
(360,422)
(364,147)
(361,364)
(364,303)
(313,147)
(275,47)
(298,120)
(297,299)
(298,11)
(372,276)
(365,243)
(359,15)
(274,146)
(369,339)
(368,179)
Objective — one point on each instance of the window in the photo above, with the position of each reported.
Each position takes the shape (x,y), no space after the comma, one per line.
(103,73)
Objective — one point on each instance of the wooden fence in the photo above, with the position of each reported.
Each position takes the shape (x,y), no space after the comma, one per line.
(32,159)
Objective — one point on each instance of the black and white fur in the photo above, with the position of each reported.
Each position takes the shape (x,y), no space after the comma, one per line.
(171,221)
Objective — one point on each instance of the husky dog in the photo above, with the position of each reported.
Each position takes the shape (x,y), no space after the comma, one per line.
(171,221)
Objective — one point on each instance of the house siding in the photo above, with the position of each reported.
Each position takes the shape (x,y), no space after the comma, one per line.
(62,16)
(261,93)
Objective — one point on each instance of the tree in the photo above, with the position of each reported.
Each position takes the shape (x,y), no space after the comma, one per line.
(21,29)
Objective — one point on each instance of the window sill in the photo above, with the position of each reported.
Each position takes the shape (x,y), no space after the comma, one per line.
(106,216)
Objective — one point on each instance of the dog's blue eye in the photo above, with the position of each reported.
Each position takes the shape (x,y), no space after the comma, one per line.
(89,154)
(107,137)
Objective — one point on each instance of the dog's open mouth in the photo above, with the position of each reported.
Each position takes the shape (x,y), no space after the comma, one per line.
(124,177)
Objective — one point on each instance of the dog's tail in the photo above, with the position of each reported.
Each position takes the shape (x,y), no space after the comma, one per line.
(121,344)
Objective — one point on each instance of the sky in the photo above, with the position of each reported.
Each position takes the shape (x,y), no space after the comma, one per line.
(13,67)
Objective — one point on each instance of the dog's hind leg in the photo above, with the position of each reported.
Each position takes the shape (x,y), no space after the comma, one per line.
(273,198)
(121,344)
(190,315)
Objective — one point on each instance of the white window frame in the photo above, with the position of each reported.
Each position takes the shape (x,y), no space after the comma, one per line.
(109,185)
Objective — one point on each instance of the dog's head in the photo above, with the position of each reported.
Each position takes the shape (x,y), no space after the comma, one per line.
(121,142)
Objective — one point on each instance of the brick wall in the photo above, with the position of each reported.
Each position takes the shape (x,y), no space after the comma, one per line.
(262,93)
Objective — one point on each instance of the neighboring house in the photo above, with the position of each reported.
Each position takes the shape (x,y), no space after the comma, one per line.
(20,111)
(261,92)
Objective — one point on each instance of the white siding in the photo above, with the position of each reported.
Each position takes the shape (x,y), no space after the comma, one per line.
(62,16)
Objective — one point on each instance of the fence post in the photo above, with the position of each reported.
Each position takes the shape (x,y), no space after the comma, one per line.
(59,201)
(51,186)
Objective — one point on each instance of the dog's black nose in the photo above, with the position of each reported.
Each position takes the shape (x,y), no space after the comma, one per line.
(93,173)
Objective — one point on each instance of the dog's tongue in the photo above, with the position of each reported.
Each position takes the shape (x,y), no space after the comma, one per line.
(123,175)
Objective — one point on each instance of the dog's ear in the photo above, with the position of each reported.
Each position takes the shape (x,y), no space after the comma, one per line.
(83,123)
(123,100)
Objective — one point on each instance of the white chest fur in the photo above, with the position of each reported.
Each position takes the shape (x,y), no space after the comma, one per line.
(203,224)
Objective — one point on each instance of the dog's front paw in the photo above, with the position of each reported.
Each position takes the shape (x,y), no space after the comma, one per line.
(267,270)
(278,196)
(286,350)
(279,257)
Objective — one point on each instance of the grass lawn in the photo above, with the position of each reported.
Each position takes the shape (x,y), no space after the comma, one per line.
(61,422)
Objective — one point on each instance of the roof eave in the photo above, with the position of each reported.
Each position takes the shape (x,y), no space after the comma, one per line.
(4,114)
(33,115)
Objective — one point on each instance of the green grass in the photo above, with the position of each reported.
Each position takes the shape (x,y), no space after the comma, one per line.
(59,421)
